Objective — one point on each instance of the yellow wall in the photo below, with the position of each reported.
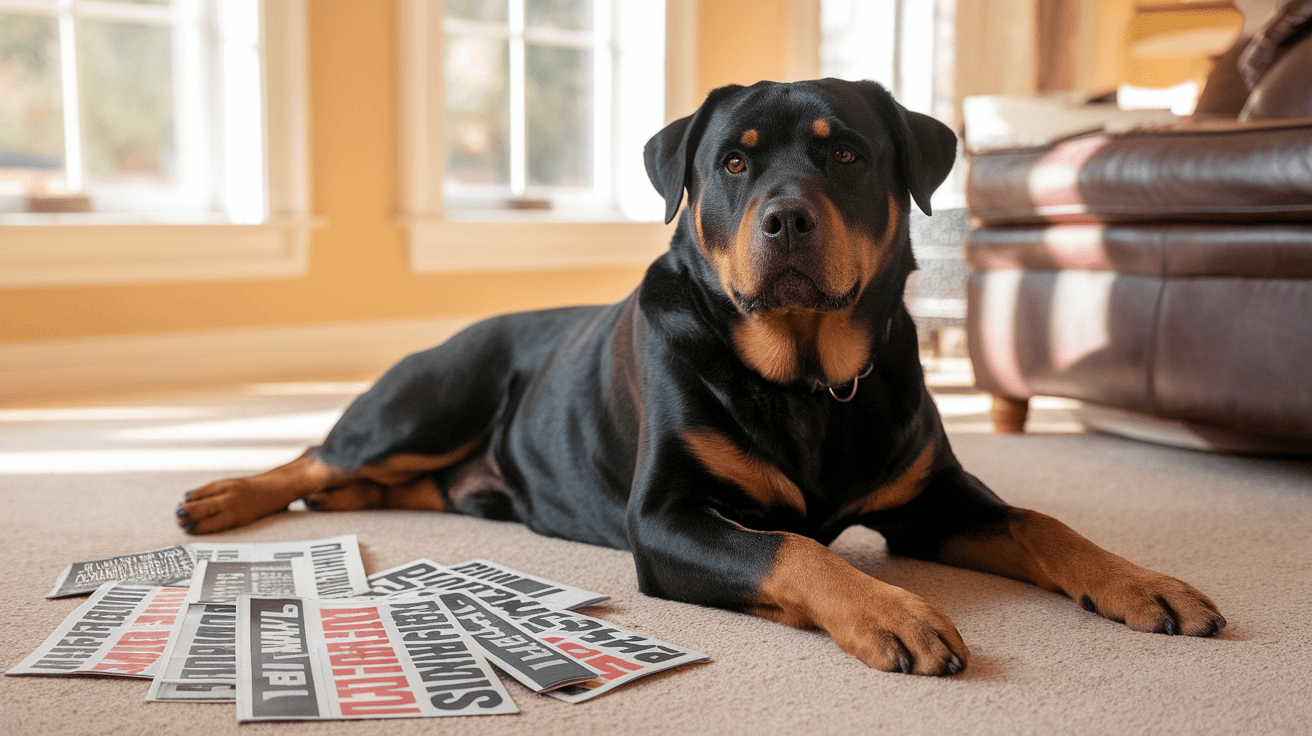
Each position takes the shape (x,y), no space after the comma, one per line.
(740,42)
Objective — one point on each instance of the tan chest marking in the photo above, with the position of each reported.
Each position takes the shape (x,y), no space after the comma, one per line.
(773,343)
(904,488)
(761,480)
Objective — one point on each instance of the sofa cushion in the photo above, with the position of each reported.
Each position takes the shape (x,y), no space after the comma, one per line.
(1079,334)
(1257,251)
(1235,353)
(1210,172)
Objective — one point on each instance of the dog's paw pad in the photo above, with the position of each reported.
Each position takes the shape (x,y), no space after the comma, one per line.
(911,637)
(1158,604)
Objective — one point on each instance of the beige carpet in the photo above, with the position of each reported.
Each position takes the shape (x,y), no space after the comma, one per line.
(93,480)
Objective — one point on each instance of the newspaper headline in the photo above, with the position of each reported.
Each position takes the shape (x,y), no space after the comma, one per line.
(122,629)
(317,660)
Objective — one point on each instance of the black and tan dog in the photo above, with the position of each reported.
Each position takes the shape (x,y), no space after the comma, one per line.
(759,393)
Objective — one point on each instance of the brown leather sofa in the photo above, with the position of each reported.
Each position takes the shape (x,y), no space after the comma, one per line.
(1163,276)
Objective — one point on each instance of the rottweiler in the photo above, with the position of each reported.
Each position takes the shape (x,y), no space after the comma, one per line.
(757,394)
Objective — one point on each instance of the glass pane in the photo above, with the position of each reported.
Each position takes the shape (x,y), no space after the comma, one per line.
(31,110)
(477,110)
(489,10)
(569,14)
(126,73)
(558,98)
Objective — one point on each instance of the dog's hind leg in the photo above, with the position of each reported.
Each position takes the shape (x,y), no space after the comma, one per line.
(396,481)
(421,494)
(428,412)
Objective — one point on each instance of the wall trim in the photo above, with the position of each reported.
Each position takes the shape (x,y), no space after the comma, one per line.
(454,246)
(86,255)
(39,369)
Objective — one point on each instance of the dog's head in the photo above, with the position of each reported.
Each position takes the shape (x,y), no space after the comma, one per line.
(798,197)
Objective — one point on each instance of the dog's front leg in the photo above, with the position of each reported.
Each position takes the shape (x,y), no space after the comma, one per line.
(686,549)
(982,533)
(1030,546)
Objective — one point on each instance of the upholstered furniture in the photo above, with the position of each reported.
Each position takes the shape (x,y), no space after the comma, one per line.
(1161,275)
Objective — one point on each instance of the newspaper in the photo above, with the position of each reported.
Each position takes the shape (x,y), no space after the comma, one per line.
(620,655)
(518,653)
(122,629)
(416,575)
(223,582)
(338,569)
(547,592)
(200,662)
(166,566)
(306,659)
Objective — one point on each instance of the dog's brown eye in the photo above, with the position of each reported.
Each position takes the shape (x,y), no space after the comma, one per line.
(735,165)
(844,156)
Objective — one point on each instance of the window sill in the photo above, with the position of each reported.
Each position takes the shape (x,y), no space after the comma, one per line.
(93,250)
(532,243)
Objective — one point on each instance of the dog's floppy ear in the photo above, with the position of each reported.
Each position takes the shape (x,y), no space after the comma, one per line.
(669,153)
(927,147)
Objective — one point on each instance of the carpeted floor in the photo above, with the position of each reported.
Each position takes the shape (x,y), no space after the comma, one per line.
(98,479)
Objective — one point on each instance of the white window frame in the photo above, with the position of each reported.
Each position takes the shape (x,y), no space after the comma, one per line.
(600,43)
(439,242)
(88,249)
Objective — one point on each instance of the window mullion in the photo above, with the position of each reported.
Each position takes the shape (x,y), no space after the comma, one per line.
(603,108)
(518,105)
(74,166)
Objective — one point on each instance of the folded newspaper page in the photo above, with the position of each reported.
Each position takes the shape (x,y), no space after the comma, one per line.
(338,569)
(517,652)
(307,659)
(200,662)
(223,582)
(166,566)
(122,629)
(620,655)
(556,595)
(415,575)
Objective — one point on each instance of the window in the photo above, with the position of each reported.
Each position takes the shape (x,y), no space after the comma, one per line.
(522,127)
(149,107)
(535,91)
(226,197)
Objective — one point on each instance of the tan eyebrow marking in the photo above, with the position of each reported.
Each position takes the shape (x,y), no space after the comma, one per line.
(750,138)
(820,127)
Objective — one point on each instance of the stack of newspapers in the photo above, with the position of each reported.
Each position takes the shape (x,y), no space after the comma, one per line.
(297,631)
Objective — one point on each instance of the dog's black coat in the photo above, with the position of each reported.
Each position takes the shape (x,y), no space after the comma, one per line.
(584,409)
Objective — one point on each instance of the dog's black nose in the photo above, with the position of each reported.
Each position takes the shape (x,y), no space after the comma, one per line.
(786,223)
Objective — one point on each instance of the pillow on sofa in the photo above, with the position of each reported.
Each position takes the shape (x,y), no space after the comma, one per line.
(1280,32)
(1285,91)
(1225,92)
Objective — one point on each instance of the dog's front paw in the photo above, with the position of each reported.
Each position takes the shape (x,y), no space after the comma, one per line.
(1155,603)
(901,632)
(222,505)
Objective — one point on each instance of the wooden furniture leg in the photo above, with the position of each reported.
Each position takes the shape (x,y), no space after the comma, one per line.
(1009,414)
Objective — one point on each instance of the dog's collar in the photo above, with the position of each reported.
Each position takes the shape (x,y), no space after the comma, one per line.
(818,385)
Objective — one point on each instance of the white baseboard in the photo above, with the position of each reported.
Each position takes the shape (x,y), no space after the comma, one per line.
(180,360)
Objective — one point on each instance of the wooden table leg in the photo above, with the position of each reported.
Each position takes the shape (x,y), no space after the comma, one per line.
(1009,414)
